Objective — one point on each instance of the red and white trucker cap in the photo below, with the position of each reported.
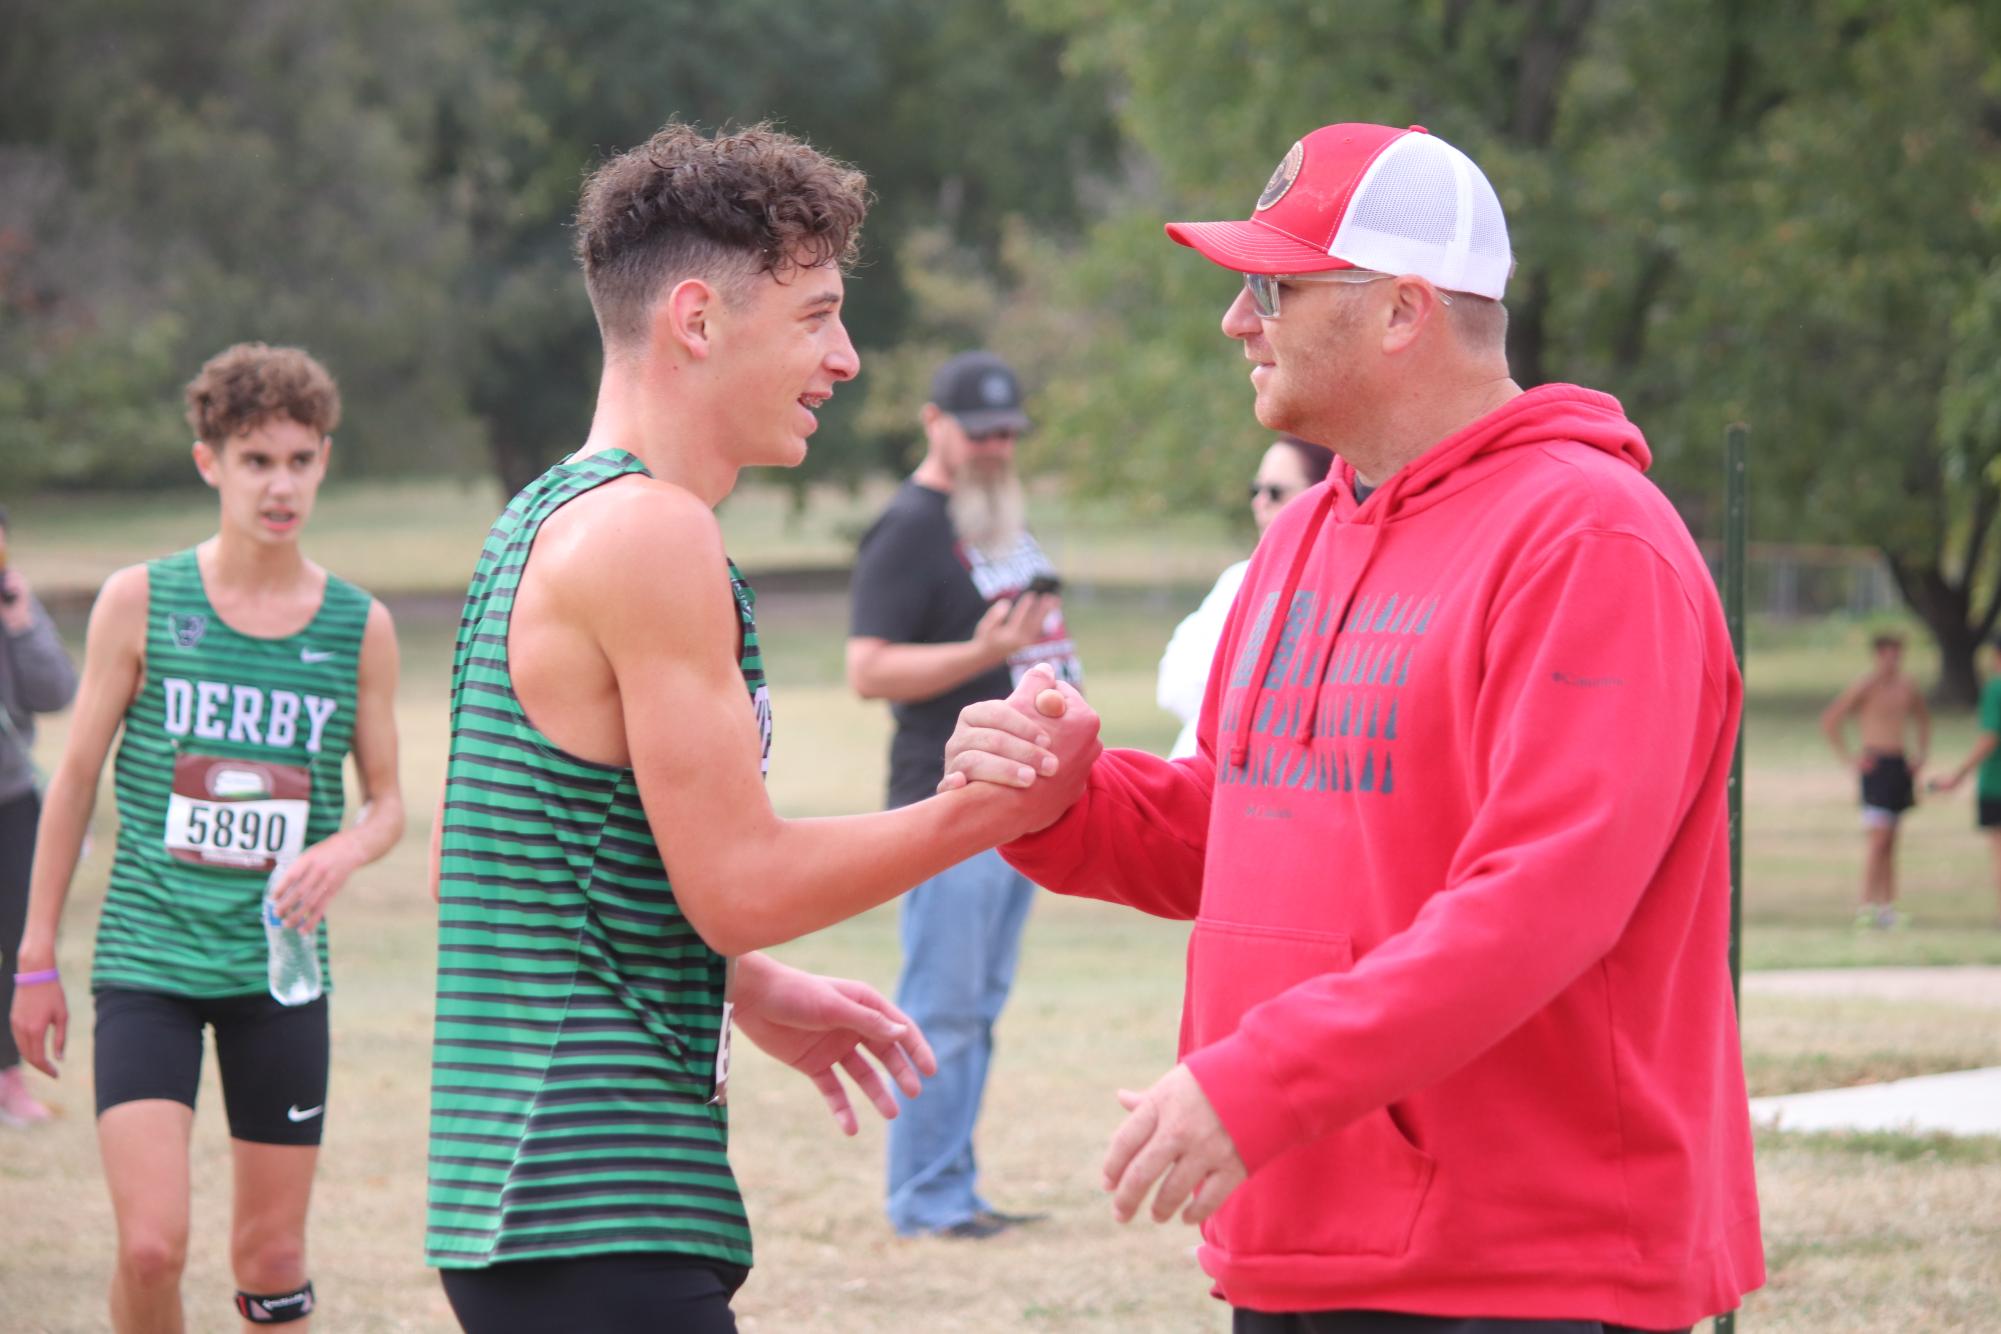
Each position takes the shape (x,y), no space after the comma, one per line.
(1369,197)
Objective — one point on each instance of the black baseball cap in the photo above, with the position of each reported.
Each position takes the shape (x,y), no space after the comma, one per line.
(981,391)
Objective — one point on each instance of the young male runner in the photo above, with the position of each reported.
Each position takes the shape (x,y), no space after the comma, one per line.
(1888,708)
(607,857)
(242,675)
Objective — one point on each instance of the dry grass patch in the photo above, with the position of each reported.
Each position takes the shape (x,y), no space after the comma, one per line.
(1878,1232)
(1799,1044)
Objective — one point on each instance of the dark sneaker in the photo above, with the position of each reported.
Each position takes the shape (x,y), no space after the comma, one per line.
(977,1228)
(1006,1219)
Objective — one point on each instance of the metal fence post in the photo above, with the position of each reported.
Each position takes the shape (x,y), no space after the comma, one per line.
(1736,523)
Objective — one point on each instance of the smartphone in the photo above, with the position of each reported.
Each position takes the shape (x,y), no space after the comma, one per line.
(1045,583)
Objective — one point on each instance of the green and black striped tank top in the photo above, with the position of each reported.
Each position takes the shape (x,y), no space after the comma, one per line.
(231,760)
(578,1013)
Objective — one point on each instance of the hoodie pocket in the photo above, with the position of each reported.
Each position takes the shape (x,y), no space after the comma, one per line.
(1354,1191)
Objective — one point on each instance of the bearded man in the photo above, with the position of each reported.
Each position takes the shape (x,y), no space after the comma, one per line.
(950,609)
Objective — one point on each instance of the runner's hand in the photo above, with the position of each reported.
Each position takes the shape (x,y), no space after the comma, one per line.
(815,1024)
(995,742)
(310,882)
(41,1010)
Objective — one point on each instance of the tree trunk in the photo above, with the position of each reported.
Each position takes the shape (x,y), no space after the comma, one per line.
(1947,611)
(1525,330)
(516,465)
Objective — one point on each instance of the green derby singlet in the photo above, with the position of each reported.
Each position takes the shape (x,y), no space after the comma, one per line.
(231,760)
(579,1016)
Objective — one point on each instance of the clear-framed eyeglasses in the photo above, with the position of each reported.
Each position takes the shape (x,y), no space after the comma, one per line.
(1264,287)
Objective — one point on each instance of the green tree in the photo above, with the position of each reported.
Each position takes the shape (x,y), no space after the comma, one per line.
(960,116)
(180,178)
(1853,312)
(1781,211)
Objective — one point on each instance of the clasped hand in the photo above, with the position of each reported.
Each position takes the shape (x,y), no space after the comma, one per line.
(1042,739)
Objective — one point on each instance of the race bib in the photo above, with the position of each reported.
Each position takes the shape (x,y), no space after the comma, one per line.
(245,815)
(722,1096)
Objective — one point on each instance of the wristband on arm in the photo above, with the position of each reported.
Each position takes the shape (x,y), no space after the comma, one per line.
(30,979)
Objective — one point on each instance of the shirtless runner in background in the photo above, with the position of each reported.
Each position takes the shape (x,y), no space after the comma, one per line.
(1886,704)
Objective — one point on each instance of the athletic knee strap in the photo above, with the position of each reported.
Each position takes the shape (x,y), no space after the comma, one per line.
(278,1308)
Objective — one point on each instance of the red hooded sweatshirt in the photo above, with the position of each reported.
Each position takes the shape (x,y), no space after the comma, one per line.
(1458,985)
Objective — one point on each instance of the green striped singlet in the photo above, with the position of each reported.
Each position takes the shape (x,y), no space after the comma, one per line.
(578,1014)
(231,758)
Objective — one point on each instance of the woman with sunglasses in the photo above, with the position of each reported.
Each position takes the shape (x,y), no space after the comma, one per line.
(1289,467)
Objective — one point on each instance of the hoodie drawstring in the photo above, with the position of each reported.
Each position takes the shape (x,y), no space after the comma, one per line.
(1240,736)
(1388,491)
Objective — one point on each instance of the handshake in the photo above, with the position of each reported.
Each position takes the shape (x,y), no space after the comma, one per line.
(1042,740)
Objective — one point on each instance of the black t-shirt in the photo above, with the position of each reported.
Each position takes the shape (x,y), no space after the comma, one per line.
(915,584)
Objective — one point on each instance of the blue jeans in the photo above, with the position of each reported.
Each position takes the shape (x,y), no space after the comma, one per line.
(961,937)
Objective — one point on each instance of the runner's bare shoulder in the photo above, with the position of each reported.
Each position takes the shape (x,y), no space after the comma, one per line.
(643,530)
(119,613)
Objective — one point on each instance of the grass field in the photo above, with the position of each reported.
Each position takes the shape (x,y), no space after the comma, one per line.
(1863,1233)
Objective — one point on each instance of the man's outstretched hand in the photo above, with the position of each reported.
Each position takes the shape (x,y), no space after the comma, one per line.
(1043,739)
(1172,1135)
(815,1024)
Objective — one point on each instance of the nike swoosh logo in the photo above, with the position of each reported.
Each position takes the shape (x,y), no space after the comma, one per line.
(314,655)
(294,1114)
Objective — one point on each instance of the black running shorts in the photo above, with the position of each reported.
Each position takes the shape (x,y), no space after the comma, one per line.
(606,1294)
(1887,785)
(273,1058)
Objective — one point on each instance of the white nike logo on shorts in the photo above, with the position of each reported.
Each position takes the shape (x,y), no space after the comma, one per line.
(314,654)
(293,1113)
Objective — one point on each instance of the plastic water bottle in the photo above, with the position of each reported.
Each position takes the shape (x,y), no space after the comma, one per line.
(294,956)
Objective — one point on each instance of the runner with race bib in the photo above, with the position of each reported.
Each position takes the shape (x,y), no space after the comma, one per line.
(241,675)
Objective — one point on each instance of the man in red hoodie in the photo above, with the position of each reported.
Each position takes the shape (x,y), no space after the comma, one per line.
(1458,1051)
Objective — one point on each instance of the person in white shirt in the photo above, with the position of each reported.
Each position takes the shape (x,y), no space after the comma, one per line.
(1288,468)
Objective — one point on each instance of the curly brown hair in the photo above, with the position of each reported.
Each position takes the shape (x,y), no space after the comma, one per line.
(242,387)
(727,207)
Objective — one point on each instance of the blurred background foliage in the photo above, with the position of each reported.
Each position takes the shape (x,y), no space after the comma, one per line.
(1774,211)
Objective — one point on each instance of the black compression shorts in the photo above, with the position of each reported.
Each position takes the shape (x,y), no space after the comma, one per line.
(273,1058)
(606,1294)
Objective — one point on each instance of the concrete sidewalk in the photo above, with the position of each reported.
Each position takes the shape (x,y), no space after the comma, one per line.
(1964,1102)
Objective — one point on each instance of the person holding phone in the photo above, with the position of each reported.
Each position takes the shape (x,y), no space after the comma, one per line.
(36,676)
(953,602)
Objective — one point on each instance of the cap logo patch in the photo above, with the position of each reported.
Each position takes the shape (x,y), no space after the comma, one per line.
(996,390)
(1282,179)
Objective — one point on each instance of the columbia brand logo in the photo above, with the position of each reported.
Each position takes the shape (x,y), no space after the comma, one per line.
(1586,682)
